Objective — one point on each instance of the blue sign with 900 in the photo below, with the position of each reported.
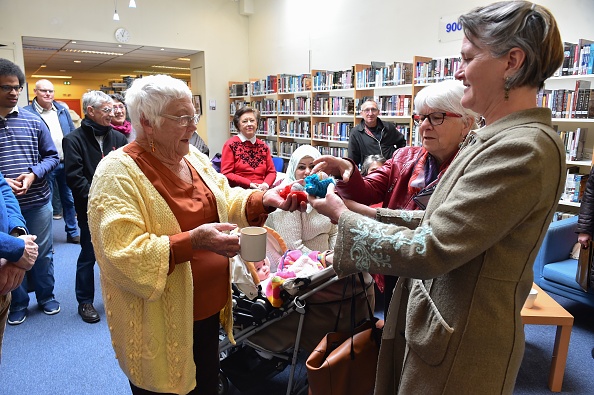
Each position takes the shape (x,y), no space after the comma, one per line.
(450,29)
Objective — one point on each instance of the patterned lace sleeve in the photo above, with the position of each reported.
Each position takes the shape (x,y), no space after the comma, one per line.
(409,218)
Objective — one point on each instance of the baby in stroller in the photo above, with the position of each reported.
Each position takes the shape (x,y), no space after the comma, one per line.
(292,264)
(272,327)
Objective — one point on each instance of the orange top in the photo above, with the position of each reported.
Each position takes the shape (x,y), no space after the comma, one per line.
(193,205)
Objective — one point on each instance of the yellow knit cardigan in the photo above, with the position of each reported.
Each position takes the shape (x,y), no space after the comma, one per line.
(149,313)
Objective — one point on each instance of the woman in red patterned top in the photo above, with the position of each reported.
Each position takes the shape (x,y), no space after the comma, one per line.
(246,160)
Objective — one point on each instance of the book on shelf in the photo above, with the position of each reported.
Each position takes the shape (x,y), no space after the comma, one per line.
(574,142)
(580,181)
(583,46)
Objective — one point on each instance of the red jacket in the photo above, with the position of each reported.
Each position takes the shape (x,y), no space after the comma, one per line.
(244,163)
(388,184)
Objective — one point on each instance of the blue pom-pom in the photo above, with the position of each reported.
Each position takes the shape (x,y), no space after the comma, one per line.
(316,187)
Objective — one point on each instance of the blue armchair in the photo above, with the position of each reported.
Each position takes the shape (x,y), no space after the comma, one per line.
(554,270)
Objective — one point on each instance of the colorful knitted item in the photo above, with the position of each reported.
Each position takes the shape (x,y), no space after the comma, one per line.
(317,185)
(294,190)
(292,264)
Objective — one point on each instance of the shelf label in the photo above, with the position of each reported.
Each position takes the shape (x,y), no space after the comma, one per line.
(450,29)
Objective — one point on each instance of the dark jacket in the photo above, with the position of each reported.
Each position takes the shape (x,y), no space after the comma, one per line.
(361,144)
(586,218)
(63,116)
(82,154)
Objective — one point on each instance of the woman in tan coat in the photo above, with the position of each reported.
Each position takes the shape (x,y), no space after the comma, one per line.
(456,328)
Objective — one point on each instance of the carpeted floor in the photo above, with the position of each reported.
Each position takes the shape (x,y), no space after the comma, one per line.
(60,354)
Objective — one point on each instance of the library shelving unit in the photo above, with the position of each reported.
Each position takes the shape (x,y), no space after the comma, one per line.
(571,102)
(320,107)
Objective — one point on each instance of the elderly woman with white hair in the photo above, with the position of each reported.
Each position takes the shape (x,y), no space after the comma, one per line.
(160,217)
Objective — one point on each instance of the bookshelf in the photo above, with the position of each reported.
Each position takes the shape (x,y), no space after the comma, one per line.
(320,107)
(568,98)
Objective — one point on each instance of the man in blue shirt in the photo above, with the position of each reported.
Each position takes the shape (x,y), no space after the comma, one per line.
(27,156)
(18,250)
(58,120)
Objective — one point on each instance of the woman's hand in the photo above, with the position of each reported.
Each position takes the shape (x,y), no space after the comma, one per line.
(273,198)
(331,165)
(360,208)
(584,239)
(211,237)
(331,206)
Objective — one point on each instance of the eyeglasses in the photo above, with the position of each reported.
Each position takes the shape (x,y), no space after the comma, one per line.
(184,120)
(106,110)
(10,88)
(120,107)
(435,118)
(370,110)
(44,91)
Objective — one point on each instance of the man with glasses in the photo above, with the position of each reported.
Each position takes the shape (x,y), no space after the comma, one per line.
(83,150)
(372,136)
(59,122)
(27,156)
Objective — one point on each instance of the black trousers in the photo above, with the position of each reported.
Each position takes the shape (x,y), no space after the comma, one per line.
(206,358)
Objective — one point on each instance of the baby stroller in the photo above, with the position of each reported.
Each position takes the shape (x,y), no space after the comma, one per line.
(269,339)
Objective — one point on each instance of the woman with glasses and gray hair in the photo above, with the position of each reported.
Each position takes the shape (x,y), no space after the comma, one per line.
(160,217)
(407,180)
(246,160)
(465,262)
(120,121)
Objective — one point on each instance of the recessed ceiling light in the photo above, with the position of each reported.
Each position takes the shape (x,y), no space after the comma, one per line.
(77,61)
(51,76)
(162,49)
(184,59)
(62,71)
(43,65)
(119,45)
(73,42)
(94,52)
(171,67)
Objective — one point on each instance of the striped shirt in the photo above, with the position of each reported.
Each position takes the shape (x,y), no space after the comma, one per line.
(26,146)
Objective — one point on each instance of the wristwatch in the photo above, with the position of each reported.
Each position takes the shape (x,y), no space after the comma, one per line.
(19,231)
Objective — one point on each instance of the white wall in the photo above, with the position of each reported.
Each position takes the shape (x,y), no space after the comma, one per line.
(212,26)
(340,33)
(280,37)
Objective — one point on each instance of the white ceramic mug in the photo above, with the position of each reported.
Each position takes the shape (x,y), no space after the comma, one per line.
(252,241)
(531,298)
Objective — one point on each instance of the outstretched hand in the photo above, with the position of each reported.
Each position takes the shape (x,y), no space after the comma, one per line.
(274,198)
(337,167)
(331,206)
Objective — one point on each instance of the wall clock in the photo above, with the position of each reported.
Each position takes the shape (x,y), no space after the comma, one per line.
(122,35)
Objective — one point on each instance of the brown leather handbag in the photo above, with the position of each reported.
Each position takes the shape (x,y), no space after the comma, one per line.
(345,363)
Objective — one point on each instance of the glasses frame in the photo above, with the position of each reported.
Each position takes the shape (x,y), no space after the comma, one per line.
(10,88)
(370,110)
(184,119)
(418,121)
(44,91)
(105,110)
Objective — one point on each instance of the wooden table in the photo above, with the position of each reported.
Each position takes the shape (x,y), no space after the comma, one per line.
(547,311)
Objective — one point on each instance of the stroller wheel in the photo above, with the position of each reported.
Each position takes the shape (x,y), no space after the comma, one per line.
(223,384)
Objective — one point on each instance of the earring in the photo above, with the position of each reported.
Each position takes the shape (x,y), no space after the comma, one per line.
(152,144)
(506,88)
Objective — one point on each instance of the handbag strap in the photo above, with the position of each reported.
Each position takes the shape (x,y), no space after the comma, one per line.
(344,288)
